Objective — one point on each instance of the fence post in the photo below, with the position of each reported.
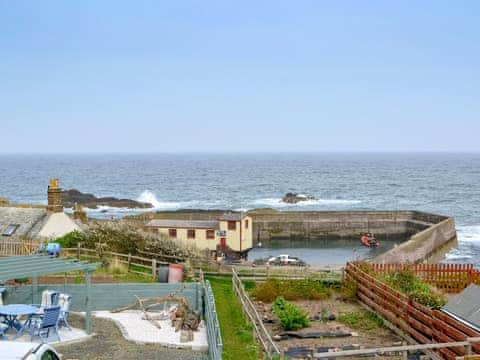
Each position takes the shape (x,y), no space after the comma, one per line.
(468,348)
(154,268)
(78,251)
(129,261)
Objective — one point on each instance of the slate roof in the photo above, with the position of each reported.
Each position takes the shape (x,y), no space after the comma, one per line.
(232,216)
(30,220)
(190,224)
(466,306)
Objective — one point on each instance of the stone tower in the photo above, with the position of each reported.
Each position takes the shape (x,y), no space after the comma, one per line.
(55,202)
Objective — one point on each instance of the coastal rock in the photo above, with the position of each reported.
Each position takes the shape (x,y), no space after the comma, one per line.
(73,196)
(294,198)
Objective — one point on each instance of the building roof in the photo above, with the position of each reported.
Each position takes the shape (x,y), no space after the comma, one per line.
(58,224)
(190,224)
(29,220)
(466,306)
(34,223)
(232,216)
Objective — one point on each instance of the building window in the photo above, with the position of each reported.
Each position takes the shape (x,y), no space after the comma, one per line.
(191,234)
(210,234)
(246,224)
(10,230)
(232,225)
(172,233)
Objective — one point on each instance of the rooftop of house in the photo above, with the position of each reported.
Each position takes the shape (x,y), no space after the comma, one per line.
(466,306)
(190,224)
(21,222)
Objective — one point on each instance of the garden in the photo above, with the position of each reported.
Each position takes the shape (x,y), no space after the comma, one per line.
(307,316)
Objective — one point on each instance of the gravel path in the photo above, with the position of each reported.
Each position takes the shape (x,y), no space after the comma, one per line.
(108,343)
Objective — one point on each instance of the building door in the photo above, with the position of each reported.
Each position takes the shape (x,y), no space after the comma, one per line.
(223,244)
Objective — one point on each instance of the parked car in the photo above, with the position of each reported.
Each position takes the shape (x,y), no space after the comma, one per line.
(14,350)
(285,260)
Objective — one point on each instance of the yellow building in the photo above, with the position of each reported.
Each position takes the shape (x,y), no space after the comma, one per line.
(231,230)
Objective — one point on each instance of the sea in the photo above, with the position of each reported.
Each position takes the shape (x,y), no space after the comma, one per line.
(442,183)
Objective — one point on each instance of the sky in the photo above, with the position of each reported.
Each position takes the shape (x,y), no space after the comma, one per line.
(239,76)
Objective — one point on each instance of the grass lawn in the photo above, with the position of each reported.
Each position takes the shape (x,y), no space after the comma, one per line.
(238,342)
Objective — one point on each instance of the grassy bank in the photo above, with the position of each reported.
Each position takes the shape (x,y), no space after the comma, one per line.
(238,342)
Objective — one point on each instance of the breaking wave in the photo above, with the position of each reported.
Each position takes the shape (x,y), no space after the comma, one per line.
(470,233)
(149,197)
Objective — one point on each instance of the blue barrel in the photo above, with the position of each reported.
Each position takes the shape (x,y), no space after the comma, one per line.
(163,273)
(53,249)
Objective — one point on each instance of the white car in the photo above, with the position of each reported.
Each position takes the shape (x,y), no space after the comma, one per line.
(14,350)
(283,260)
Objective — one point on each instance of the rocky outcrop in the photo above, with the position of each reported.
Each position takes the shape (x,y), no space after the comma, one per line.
(293,198)
(73,196)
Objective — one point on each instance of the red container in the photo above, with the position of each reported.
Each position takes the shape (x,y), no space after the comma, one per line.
(175,273)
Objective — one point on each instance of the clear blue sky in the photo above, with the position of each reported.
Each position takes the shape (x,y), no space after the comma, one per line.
(155,76)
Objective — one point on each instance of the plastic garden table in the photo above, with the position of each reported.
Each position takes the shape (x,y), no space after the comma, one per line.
(13,311)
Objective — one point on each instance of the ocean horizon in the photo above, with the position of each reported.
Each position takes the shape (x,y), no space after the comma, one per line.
(438,182)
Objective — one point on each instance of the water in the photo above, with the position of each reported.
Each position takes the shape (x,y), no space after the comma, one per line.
(440,183)
(321,252)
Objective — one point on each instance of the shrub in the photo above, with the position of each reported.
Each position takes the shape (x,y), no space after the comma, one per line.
(127,237)
(291,317)
(361,320)
(408,283)
(306,289)
(70,240)
(430,299)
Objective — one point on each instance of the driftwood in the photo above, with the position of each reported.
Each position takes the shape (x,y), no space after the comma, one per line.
(183,318)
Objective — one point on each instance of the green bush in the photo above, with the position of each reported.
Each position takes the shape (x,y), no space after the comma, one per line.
(431,300)
(306,289)
(127,237)
(291,317)
(408,283)
(69,240)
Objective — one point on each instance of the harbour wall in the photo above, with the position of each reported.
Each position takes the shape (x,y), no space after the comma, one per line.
(421,236)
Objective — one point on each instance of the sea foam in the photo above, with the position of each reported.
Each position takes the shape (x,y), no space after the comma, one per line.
(469,233)
(148,196)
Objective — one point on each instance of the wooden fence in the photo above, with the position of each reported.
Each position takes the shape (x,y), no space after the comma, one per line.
(134,264)
(15,247)
(452,278)
(420,323)
(260,333)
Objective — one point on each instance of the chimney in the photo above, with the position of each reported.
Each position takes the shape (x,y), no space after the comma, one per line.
(55,202)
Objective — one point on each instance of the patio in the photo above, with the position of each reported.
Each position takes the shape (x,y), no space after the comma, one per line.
(95,303)
(21,318)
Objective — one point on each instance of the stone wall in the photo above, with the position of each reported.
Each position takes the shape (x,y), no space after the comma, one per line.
(424,246)
(272,224)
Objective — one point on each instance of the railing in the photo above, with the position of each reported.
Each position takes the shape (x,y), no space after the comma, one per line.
(215,345)
(420,323)
(270,349)
(400,349)
(15,247)
(259,273)
(452,278)
(133,263)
